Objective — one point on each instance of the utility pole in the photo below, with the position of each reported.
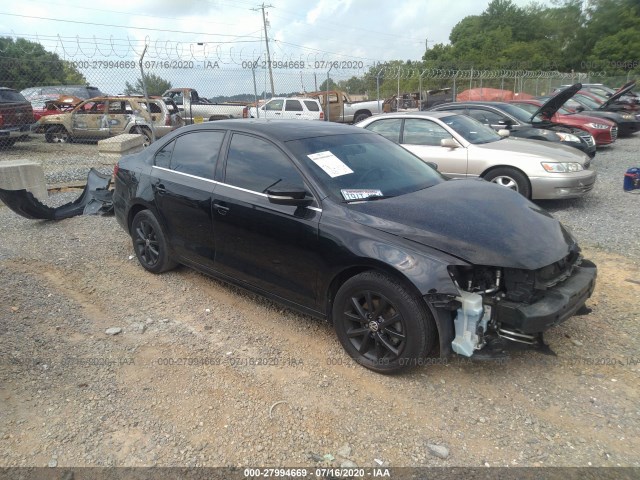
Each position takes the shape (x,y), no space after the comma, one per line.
(266,40)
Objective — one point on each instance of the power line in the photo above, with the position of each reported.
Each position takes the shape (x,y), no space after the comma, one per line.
(125,26)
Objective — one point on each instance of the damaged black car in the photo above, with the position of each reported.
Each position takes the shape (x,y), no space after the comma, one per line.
(343,224)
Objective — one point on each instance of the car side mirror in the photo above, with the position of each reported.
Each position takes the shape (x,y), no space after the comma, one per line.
(449,143)
(503,132)
(289,195)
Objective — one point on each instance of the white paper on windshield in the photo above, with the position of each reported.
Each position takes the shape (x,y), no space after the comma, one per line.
(360,193)
(332,165)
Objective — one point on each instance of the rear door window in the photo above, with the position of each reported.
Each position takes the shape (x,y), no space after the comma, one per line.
(194,153)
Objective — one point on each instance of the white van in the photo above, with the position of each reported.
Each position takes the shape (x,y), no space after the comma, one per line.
(289,108)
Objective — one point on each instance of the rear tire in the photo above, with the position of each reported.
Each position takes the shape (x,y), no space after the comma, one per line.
(150,243)
(57,134)
(361,116)
(510,178)
(381,325)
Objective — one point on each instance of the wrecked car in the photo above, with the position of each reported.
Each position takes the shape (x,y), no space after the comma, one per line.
(343,224)
(104,117)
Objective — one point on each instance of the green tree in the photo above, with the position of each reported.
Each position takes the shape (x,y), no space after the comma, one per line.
(156,85)
(24,63)
(332,85)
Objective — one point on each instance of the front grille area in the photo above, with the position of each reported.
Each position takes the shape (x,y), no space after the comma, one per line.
(588,138)
(614,132)
(527,285)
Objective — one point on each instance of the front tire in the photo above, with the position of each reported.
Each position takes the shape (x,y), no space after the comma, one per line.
(150,243)
(380,324)
(510,178)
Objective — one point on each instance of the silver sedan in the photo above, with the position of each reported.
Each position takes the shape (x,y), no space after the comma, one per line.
(462,147)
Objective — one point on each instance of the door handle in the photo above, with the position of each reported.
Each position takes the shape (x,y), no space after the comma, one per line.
(160,188)
(221,209)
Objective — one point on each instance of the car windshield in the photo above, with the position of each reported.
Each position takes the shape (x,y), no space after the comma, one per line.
(471,129)
(517,112)
(11,96)
(355,167)
(586,102)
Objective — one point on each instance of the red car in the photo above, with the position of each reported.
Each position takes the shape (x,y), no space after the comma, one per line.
(53,105)
(603,131)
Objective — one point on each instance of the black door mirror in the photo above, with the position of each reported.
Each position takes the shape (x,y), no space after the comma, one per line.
(289,195)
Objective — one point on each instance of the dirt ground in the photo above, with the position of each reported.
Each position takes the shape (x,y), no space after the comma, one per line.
(203,374)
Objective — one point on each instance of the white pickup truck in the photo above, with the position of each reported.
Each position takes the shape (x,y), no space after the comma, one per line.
(196,109)
(342,109)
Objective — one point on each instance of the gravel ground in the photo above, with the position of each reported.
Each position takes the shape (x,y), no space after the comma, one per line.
(203,374)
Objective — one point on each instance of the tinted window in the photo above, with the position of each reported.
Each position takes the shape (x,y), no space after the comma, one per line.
(516,112)
(163,156)
(293,106)
(486,116)
(312,106)
(196,153)
(423,132)
(387,128)
(255,164)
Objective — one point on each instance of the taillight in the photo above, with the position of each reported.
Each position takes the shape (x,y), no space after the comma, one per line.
(116,168)
(167,121)
(321,115)
(245,112)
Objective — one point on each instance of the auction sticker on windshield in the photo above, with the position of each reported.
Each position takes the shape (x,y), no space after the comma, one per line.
(332,165)
(359,194)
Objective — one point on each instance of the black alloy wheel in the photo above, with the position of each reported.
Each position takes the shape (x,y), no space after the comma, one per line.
(381,325)
(150,244)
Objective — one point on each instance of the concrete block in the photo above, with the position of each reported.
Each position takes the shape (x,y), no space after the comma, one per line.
(121,143)
(27,174)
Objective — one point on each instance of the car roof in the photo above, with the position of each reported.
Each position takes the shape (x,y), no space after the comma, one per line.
(475,102)
(283,130)
(417,114)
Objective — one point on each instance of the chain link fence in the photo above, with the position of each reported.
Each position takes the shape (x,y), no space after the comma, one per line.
(245,77)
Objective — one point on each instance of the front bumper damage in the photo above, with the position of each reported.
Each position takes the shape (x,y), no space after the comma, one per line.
(499,305)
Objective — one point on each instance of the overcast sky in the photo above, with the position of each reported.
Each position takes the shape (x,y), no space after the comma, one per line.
(368,30)
(229,35)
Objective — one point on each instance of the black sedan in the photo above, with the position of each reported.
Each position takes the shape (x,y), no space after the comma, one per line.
(343,224)
(519,122)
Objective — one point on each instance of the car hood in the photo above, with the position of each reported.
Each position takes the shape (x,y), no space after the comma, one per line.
(551,106)
(474,220)
(534,149)
(581,118)
(622,91)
